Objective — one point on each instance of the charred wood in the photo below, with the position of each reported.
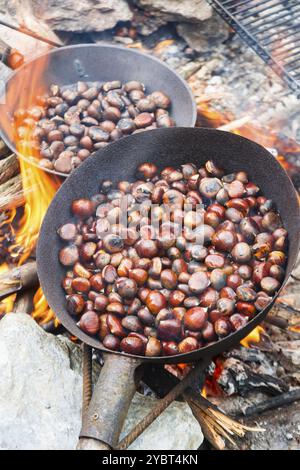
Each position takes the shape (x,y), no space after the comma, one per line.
(238,378)
(273,403)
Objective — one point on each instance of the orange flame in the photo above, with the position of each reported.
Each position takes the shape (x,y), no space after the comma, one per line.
(42,313)
(6,305)
(38,187)
(253,337)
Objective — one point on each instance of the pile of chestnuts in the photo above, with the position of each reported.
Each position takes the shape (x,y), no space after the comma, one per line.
(69,124)
(140,280)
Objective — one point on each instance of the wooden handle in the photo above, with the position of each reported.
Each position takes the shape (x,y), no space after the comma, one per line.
(109,405)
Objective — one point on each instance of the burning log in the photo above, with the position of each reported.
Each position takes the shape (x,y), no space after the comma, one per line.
(13,185)
(275,402)
(23,302)
(11,193)
(17,279)
(9,167)
(238,378)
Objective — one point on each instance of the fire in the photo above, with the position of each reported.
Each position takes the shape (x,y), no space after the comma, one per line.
(253,337)
(38,187)
(42,313)
(39,191)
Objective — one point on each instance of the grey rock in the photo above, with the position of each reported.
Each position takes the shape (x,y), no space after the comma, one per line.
(41,390)
(175,429)
(202,37)
(177,10)
(83,16)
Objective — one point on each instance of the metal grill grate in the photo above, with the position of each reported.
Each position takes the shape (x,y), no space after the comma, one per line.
(272,29)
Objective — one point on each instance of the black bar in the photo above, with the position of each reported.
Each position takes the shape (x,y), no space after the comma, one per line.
(293,33)
(274,25)
(288,63)
(250,37)
(281,49)
(256,11)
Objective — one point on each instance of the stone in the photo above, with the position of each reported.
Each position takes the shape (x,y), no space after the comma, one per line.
(83,16)
(41,393)
(202,37)
(177,10)
(186,432)
(40,387)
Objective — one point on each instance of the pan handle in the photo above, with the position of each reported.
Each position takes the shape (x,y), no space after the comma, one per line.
(105,416)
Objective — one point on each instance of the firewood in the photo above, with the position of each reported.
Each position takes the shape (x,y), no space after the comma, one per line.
(208,431)
(11,193)
(230,126)
(9,167)
(215,425)
(17,279)
(24,302)
(273,403)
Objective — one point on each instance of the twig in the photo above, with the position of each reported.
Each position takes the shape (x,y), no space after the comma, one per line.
(230,126)
(33,26)
(208,430)
(215,425)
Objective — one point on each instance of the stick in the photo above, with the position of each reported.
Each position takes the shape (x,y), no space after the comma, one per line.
(23,30)
(17,279)
(29,23)
(9,167)
(230,126)
(274,402)
(277,321)
(210,434)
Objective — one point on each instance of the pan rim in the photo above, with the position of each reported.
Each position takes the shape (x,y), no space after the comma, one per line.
(33,161)
(239,334)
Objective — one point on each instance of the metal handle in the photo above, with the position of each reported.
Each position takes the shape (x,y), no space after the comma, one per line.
(109,405)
